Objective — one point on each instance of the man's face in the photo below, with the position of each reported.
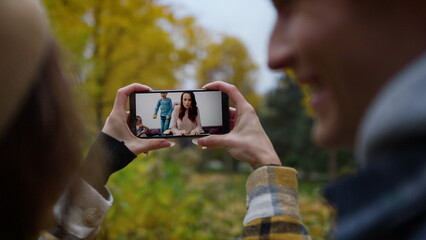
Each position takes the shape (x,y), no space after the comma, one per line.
(329,48)
(163,95)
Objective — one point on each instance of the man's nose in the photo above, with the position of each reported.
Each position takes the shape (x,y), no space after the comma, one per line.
(281,52)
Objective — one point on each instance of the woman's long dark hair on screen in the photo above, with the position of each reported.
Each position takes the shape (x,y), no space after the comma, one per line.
(192,111)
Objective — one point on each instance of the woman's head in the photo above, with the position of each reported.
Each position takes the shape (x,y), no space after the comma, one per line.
(41,154)
(188,103)
(187,100)
(23,45)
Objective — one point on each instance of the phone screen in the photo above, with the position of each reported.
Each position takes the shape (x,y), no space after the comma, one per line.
(179,113)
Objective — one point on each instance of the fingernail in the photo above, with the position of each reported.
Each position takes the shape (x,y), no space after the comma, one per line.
(168,144)
(195,141)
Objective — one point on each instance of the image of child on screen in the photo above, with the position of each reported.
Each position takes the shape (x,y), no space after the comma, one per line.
(141,129)
(166,106)
(186,117)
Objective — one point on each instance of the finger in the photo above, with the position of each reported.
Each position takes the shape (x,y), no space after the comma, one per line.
(232,117)
(234,94)
(123,94)
(232,113)
(146,145)
(211,141)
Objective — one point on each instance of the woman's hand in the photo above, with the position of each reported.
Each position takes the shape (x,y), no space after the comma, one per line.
(247,140)
(117,126)
(181,132)
(195,132)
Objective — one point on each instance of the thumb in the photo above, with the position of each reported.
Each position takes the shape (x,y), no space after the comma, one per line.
(211,141)
(146,145)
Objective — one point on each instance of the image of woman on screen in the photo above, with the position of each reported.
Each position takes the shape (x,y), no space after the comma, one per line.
(186,117)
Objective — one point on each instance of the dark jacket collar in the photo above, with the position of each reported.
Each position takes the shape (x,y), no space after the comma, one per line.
(383,196)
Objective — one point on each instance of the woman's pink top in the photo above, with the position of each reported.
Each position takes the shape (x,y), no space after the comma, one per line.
(184,124)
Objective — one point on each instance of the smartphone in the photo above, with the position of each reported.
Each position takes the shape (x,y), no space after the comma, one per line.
(179,113)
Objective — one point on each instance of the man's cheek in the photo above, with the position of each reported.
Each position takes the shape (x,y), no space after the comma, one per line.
(305,34)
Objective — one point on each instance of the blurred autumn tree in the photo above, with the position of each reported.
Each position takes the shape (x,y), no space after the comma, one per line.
(288,125)
(229,61)
(112,43)
(121,42)
(287,119)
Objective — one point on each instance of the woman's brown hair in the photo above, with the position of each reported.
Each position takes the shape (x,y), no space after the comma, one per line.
(192,111)
(40,152)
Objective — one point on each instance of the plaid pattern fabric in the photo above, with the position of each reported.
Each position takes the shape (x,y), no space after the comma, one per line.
(272,206)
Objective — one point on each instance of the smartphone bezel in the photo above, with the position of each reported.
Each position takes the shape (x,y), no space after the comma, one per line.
(225,111)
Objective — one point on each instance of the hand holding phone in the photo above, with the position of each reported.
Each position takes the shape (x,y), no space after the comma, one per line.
(116,124)
(247,140)
(179,113)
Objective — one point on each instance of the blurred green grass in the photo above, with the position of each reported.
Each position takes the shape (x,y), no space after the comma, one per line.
(164,199)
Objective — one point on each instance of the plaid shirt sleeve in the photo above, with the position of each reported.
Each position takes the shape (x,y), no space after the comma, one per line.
(272,206)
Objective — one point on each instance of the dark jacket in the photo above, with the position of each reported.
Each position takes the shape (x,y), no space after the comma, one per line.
(387,198)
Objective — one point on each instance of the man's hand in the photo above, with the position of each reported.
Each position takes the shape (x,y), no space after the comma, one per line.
(247,140)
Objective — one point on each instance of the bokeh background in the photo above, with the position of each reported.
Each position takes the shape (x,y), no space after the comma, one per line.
(185,192)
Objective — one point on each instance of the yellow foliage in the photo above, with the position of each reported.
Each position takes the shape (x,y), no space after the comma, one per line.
(117,42)
(306,91)
(316,215)
(230,61)
(120,42)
